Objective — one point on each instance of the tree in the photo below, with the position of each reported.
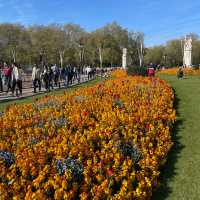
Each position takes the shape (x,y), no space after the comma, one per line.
(41,43)
(196,52)
(50,41)
(140,47)
(15,40)
(60,42)
(173,52)
(76,37)
(117,38)
(155,55)
(98,40)
(68,43)
(195,49)
(136,45)
(132,49)
(107,43)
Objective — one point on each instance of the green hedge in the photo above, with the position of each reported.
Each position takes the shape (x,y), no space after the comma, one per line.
(135,70)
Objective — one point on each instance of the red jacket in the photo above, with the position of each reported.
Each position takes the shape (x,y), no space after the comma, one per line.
(7,71)
(150,72)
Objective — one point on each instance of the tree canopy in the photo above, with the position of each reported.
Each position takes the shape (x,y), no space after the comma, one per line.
(171,54)
(67,44)
(71,44)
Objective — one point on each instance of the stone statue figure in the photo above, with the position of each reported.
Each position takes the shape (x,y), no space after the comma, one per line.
(187,59)
(188,43)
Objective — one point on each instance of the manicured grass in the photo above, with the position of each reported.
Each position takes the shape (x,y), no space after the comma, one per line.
(180,177)
(55,92)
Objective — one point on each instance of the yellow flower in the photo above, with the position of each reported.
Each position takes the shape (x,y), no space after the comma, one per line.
(99,127)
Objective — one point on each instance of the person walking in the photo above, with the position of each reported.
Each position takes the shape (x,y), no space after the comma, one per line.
(19,80)
(45,76)
(56,73)
(36,75)
(79,74)
(16,79)
(1,79)
(51,78)
(8,76)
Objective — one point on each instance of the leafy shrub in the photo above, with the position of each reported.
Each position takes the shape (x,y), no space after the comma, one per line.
(135,70)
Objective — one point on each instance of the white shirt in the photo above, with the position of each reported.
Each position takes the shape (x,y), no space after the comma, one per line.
(35,73)
(17,74)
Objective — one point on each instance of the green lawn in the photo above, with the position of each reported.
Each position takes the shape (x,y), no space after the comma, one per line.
(180,177)
(55,92)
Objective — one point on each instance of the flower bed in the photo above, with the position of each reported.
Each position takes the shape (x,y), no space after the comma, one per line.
(103,142)
(186,71)
(119,73)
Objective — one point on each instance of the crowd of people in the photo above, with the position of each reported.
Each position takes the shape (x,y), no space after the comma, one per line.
(11,77)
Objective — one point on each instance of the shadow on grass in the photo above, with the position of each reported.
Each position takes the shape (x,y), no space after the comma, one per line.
(168,171)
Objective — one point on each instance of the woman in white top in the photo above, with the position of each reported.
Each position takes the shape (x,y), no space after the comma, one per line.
(16,78)
(36,78)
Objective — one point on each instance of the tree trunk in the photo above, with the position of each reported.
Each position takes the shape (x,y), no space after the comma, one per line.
(140,54)
(100,57)
(61,53)
(83,56)
(111,61)
(13,52)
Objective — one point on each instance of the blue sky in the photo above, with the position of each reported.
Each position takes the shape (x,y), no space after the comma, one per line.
(160,20)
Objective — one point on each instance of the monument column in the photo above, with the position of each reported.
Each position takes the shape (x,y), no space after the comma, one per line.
(124,58)
(187,58)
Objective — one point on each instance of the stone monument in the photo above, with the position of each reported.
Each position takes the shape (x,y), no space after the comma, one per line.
(124,58)
(187,57)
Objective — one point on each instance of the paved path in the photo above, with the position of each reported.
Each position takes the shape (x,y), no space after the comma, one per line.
(28,90)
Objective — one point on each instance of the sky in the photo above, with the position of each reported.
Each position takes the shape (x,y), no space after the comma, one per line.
(160,20)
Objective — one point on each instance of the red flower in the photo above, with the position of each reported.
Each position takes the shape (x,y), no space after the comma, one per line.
(116,96)
(100,164)
(110,172)
(147,126)
(85,114)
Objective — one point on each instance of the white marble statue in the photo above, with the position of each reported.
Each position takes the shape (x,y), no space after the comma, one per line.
(187,59)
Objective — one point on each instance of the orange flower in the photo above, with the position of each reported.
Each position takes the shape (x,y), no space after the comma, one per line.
(116,134)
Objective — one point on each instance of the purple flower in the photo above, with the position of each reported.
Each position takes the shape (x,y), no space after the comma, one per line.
(7,157)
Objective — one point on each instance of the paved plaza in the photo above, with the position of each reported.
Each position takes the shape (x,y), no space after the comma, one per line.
(28,90)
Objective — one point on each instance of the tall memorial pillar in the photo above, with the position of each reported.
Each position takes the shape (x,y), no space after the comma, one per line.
(187,57)
(124,58)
